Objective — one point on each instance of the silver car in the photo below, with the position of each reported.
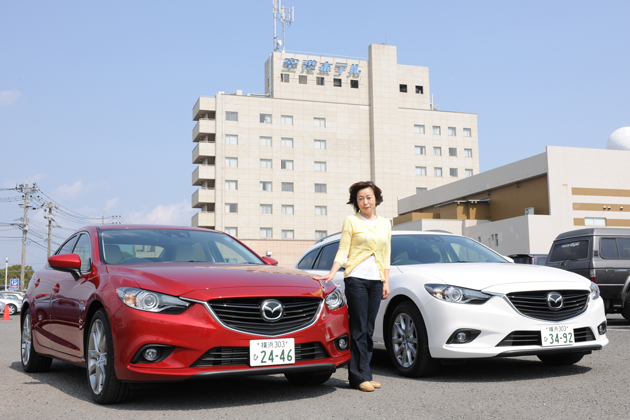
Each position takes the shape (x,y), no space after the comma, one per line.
(15,304)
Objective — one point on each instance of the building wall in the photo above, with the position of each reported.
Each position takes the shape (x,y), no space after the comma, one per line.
(566,186)
(369,133)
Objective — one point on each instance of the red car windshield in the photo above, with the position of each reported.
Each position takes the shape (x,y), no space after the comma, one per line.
(140,246)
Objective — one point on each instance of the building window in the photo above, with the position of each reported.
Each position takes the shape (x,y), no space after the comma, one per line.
(287,209)
(287,164)
(265,163)
(320,188)
(265,141)
(437,130)
(319,81)
(287,234)
(231,185)
(319,122)
(453,172)
(354,84)
(231,231)
(321,234)
(265,118)
(403,88)
(320,166)
(467,152)
(421,170)
(337,82)
(437,171)
(231,207)
(302,80)
(231,139)
(595,221)
(287,186)
(286,142)
(467,132)
(468,173)
(320,144)
(321,210)
(265,185)
(231,162)
(437,151)
(231,116)
(452,151)
(419,90)
(420,190)
(284,77)
(266,232)
(421,150)
(287,120)
(452,131)
(266,209)
(418,129)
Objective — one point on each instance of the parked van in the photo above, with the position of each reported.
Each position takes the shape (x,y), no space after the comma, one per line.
(602,255)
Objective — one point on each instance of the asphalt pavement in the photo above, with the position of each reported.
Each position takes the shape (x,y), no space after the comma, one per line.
(514,388)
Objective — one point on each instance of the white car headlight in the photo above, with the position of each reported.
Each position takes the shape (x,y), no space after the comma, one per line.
(149,301)
(335,299)
(456,294)
(594,291)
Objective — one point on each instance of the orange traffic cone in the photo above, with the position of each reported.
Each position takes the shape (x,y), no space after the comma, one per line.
(6,317)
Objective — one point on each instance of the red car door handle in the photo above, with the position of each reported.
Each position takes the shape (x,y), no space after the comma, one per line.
(56,288)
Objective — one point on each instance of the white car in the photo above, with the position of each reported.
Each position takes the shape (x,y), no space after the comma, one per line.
(14,304)
(454,298)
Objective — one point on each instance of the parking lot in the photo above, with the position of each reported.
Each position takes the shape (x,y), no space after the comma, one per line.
(518,388)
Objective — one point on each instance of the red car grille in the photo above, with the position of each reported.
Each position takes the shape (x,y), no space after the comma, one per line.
(244,314)
(229,356)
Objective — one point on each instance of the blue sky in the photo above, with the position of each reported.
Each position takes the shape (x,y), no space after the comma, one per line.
(96,98)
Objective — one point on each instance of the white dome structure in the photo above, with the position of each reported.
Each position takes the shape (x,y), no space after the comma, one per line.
(619,140)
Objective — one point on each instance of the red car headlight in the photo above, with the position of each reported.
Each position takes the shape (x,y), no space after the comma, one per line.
(149,301)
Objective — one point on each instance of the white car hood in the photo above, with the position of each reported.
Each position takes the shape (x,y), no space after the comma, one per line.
(496,277)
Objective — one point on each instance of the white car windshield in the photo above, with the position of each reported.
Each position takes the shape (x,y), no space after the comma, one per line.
(136,246)
(430,249)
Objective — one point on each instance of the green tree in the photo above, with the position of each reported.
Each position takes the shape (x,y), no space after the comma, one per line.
(14,273)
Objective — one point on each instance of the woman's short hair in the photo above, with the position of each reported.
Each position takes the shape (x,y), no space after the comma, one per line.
(358,186)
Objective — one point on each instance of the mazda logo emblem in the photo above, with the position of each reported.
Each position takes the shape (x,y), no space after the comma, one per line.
(555,301)
(271,310)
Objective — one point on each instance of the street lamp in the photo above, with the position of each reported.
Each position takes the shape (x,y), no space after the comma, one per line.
(6,272)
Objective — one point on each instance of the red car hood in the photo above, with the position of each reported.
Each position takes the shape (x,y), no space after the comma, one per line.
(204,281)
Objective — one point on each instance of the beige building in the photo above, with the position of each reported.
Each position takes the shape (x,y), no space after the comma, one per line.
(520,208)
(274,169)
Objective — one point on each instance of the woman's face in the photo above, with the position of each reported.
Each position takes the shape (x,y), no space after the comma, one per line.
(366,200)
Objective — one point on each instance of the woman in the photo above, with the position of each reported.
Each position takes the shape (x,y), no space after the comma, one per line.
(365,243)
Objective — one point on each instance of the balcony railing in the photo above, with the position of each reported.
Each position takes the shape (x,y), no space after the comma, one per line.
(202,196)
(202,173)
(204,108)
(204,128)
(203,219)
(202,151)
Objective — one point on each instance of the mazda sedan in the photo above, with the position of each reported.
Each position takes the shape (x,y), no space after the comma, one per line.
(137,304)
(453,298)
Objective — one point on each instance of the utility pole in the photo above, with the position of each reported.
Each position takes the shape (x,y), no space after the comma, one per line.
(49,216)
(27,191)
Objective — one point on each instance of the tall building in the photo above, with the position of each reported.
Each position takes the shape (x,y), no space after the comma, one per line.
(275,168)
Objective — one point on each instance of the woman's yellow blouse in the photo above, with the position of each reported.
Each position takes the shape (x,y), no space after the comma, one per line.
(359,240)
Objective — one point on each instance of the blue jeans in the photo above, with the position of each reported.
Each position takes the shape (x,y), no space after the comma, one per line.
(364,299)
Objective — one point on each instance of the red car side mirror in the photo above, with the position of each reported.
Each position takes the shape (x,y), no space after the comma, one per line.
(65,262)
(270,261)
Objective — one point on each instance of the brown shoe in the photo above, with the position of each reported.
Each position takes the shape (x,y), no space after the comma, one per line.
(365,387)
(375,384)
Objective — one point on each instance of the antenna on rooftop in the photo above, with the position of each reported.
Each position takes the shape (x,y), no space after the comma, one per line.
(282,14)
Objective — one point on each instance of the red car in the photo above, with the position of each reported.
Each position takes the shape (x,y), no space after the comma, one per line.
(136,304)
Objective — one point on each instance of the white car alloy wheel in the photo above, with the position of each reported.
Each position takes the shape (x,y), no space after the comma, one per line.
(405,340)
(97,352)
(12,309)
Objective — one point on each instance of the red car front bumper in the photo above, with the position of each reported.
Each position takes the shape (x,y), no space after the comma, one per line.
(194,332)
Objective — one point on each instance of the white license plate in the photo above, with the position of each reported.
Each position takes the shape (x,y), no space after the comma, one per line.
(557,335)
(272,352)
